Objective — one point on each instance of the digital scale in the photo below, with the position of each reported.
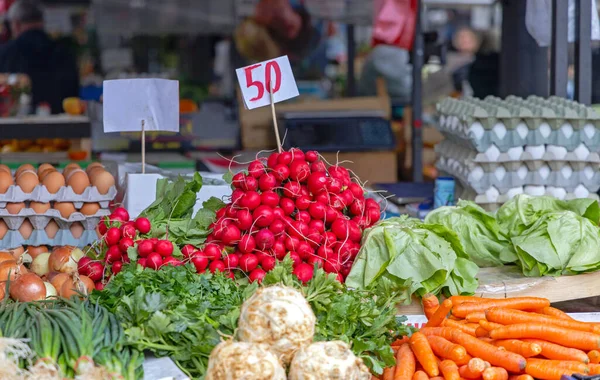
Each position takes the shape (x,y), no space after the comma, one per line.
(336,131)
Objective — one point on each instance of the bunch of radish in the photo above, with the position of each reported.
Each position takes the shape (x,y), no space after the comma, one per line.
(288,204)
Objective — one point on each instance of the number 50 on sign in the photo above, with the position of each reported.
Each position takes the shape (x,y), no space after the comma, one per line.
(257,81)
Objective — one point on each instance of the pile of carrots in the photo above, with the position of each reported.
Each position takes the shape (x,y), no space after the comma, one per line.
(475,338)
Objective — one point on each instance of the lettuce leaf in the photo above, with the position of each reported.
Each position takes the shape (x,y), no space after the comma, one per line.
(477,230)
(420,258)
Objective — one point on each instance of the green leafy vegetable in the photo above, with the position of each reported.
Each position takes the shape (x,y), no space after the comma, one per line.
(477,230)
(418,257)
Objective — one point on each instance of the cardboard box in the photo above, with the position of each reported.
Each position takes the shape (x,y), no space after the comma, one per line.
(372,167)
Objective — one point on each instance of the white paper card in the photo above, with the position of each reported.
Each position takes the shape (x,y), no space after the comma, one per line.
(254,80)
(129,101)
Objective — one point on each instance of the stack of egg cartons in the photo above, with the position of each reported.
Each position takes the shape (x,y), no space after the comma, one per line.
(498,148)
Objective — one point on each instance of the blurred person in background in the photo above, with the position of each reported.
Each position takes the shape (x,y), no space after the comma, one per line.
(484,72)
(50,66)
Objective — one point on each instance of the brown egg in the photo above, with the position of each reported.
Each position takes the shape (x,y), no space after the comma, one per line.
(43,167)
(79,181)
(22,168)
(76,229)
(39,207)
(65,208)
(27,181)
(36,251)
(14,208)
(6,181)
(53,182)
(90,208)
(93,166)
(69,168)
(3,229)
(26,229)
(45,173)
(51,229)
(103,181)
(4,168)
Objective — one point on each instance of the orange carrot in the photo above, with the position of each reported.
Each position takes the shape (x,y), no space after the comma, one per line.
(444,332)
(450,370)
(457,300)
(525,349)
(424,354)
(520,377)
(565,337)
(405,363)
(489,326)
(436,378)
(495,373)
(473,369)
(420,375)
(554,312)
(464,361)
(400,342)
(480,332)
(430,304)
(594,369)
(440,314)
(576,367)
(558,352)
(512,317)
(546,371)
(475,317)
(388,373)
(519,303)
(594,356)
(459,326)
(508,360)
(445,349)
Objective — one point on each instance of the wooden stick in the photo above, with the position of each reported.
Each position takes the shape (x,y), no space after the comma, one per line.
(143,147)
(274,118)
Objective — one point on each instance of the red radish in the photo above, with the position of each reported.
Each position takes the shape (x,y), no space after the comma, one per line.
(244,220)
(311,156)
(324,252)
(317,211)
(268,263)
(331,265)
(298,229)
(285,158)
(143,225)
(260,255)
(142,262)
(315,260)
(236,196)
(248,262)
(348,197)
(113,235)
(279,250)
(246,244)
(102,227)
(99,286)
(299,171)
(221,213)
(124,244)
(304,272)
(329,238)
(287,205)
(340,228)
(217,265)
(256,169)
(337,202)
(230,275)
(257,275)
(154,261)
(346,268)
(305,250)
(267,182)
(83,265)
(340,173)
(188,251)
(170,260)
(212,252)
(263,216)
(272,160)
(297,155)
(334,185)
(200,262)
(296,258)
(317,182)
(292,243)
(357,207)
(269,198)
(372,203)
(113,254)
(116,267)
(317,224)
(303,216)
(264,239)
(250,200)
(164,248)
(314,237)
(231,261)
(340,278)
(357,190)
(322,197)
(354,231)
(281,172)
(231,235)
(331,215)
(95,271)
(238,180)
(249,184)
(304,191)
(145,247)
(121,213)
(128,231)
(277,227)
(292,190)
(230,212)
(303,202)
(318,167)
(116,220)
(126,259)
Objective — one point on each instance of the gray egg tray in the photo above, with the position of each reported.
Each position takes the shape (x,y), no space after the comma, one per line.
(517,122)
(13,239)
(40,221)
(64,194)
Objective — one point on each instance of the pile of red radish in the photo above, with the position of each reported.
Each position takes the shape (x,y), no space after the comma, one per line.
(289,204)
(118,234)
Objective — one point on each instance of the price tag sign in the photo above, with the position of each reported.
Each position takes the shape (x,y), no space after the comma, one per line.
(257,80)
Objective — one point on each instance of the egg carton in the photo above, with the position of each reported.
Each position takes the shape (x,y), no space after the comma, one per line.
(65,194)
(517,122)
(40,221)
(14,239)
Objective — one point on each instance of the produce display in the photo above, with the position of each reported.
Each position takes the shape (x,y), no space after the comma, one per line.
(498,148)
(497,339)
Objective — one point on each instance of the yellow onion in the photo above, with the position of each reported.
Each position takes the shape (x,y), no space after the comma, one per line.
(36,251)
(65,259)
(76,286)
(39,265)
(5,256)
(57,279)
(28,287)
(50,290)
(10,269)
